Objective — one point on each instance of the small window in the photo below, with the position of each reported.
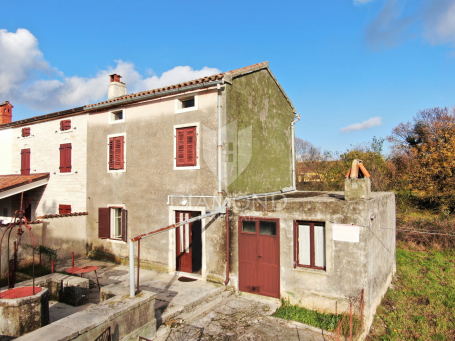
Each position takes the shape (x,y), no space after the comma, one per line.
(267,228)
(64,209)
(112,223)
(65,125)
(309,241)
(26,132)
(249,226)
(117,115)
(188,103)
(260,226)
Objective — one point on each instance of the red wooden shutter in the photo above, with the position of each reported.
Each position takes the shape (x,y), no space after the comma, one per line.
(65,158)
(62,125)
(25,161)
(111,153)
(118,152)
(67,124)
(186,147)
(124,224)
(25,132)
(104,223)
(191,146)
(64,209)
(181,147)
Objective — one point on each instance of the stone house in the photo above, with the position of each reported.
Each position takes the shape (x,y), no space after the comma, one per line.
(221,147)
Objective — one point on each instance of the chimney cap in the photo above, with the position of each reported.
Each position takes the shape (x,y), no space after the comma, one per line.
(115,77)
(357,170)
(6,103)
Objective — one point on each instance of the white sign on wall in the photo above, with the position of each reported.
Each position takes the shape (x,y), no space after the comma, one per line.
(346,233)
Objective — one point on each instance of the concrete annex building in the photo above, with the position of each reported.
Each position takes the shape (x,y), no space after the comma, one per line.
(139,162)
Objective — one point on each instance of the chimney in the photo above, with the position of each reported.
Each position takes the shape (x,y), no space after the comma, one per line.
(357,185)
(6,112)
(116,88)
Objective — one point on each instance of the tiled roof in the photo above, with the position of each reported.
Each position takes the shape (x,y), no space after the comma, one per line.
(8,182)
(176,86)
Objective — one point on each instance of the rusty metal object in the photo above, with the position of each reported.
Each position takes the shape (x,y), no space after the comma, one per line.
(19,220)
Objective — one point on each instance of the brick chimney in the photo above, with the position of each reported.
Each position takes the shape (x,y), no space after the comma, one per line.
(116,88)
(6,112)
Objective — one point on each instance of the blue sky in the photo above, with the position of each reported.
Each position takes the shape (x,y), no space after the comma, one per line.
(353,69)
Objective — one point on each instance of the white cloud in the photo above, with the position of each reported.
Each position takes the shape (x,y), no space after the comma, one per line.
(399,20)
(370,123)
(23,65)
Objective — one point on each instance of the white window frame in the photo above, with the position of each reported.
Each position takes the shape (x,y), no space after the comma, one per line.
(124,154)
(198,146)
(111,116)
(178,101)
(111,227)
(65,131)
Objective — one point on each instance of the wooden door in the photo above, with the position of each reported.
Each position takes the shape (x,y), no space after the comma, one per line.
(259,256)
(184,247)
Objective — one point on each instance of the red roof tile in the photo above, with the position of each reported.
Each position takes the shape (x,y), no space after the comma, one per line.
(11,181)
(180,85)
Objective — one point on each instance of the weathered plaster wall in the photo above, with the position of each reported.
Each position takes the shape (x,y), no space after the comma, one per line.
(44,144)
(350,267)
(150,175)
(6,147)
(255,100)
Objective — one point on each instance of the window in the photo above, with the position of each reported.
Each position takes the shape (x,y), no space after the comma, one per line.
(186,143)
(26,132)
(187,103)
(117,116)
(64,209)
(112,223)
(65,125)
(309,242)
(265,227)
(65,158)
(25,161)
(117,153)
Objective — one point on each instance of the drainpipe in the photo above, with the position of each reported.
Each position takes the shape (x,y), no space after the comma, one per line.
(228,263)
(131,259)
(296,119)
(220,146)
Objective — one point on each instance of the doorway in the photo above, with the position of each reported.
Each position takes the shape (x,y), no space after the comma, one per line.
(188,243)
(259,256)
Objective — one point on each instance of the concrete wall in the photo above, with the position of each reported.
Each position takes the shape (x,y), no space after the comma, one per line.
(350,267)
(150,176)
(44,144)
(6,143)
(256,103)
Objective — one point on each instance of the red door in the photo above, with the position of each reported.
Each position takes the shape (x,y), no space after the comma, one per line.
(184,247)
(259,256)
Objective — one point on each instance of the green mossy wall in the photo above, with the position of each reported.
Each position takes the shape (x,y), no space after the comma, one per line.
(255,99)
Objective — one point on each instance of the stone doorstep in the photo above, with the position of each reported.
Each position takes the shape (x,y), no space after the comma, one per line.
(173,310)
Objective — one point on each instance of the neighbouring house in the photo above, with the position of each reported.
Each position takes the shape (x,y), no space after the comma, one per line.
(47,163)
(219,147)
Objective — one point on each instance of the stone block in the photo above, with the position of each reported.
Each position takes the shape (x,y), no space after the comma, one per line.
(74,291)
(357,189)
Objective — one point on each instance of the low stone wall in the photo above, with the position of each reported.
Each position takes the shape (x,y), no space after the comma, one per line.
(128,318)
(19,316)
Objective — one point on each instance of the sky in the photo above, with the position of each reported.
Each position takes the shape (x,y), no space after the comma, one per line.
(354,69)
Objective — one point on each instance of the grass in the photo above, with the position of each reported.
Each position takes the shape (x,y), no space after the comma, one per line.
(420,305)
(324,321)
